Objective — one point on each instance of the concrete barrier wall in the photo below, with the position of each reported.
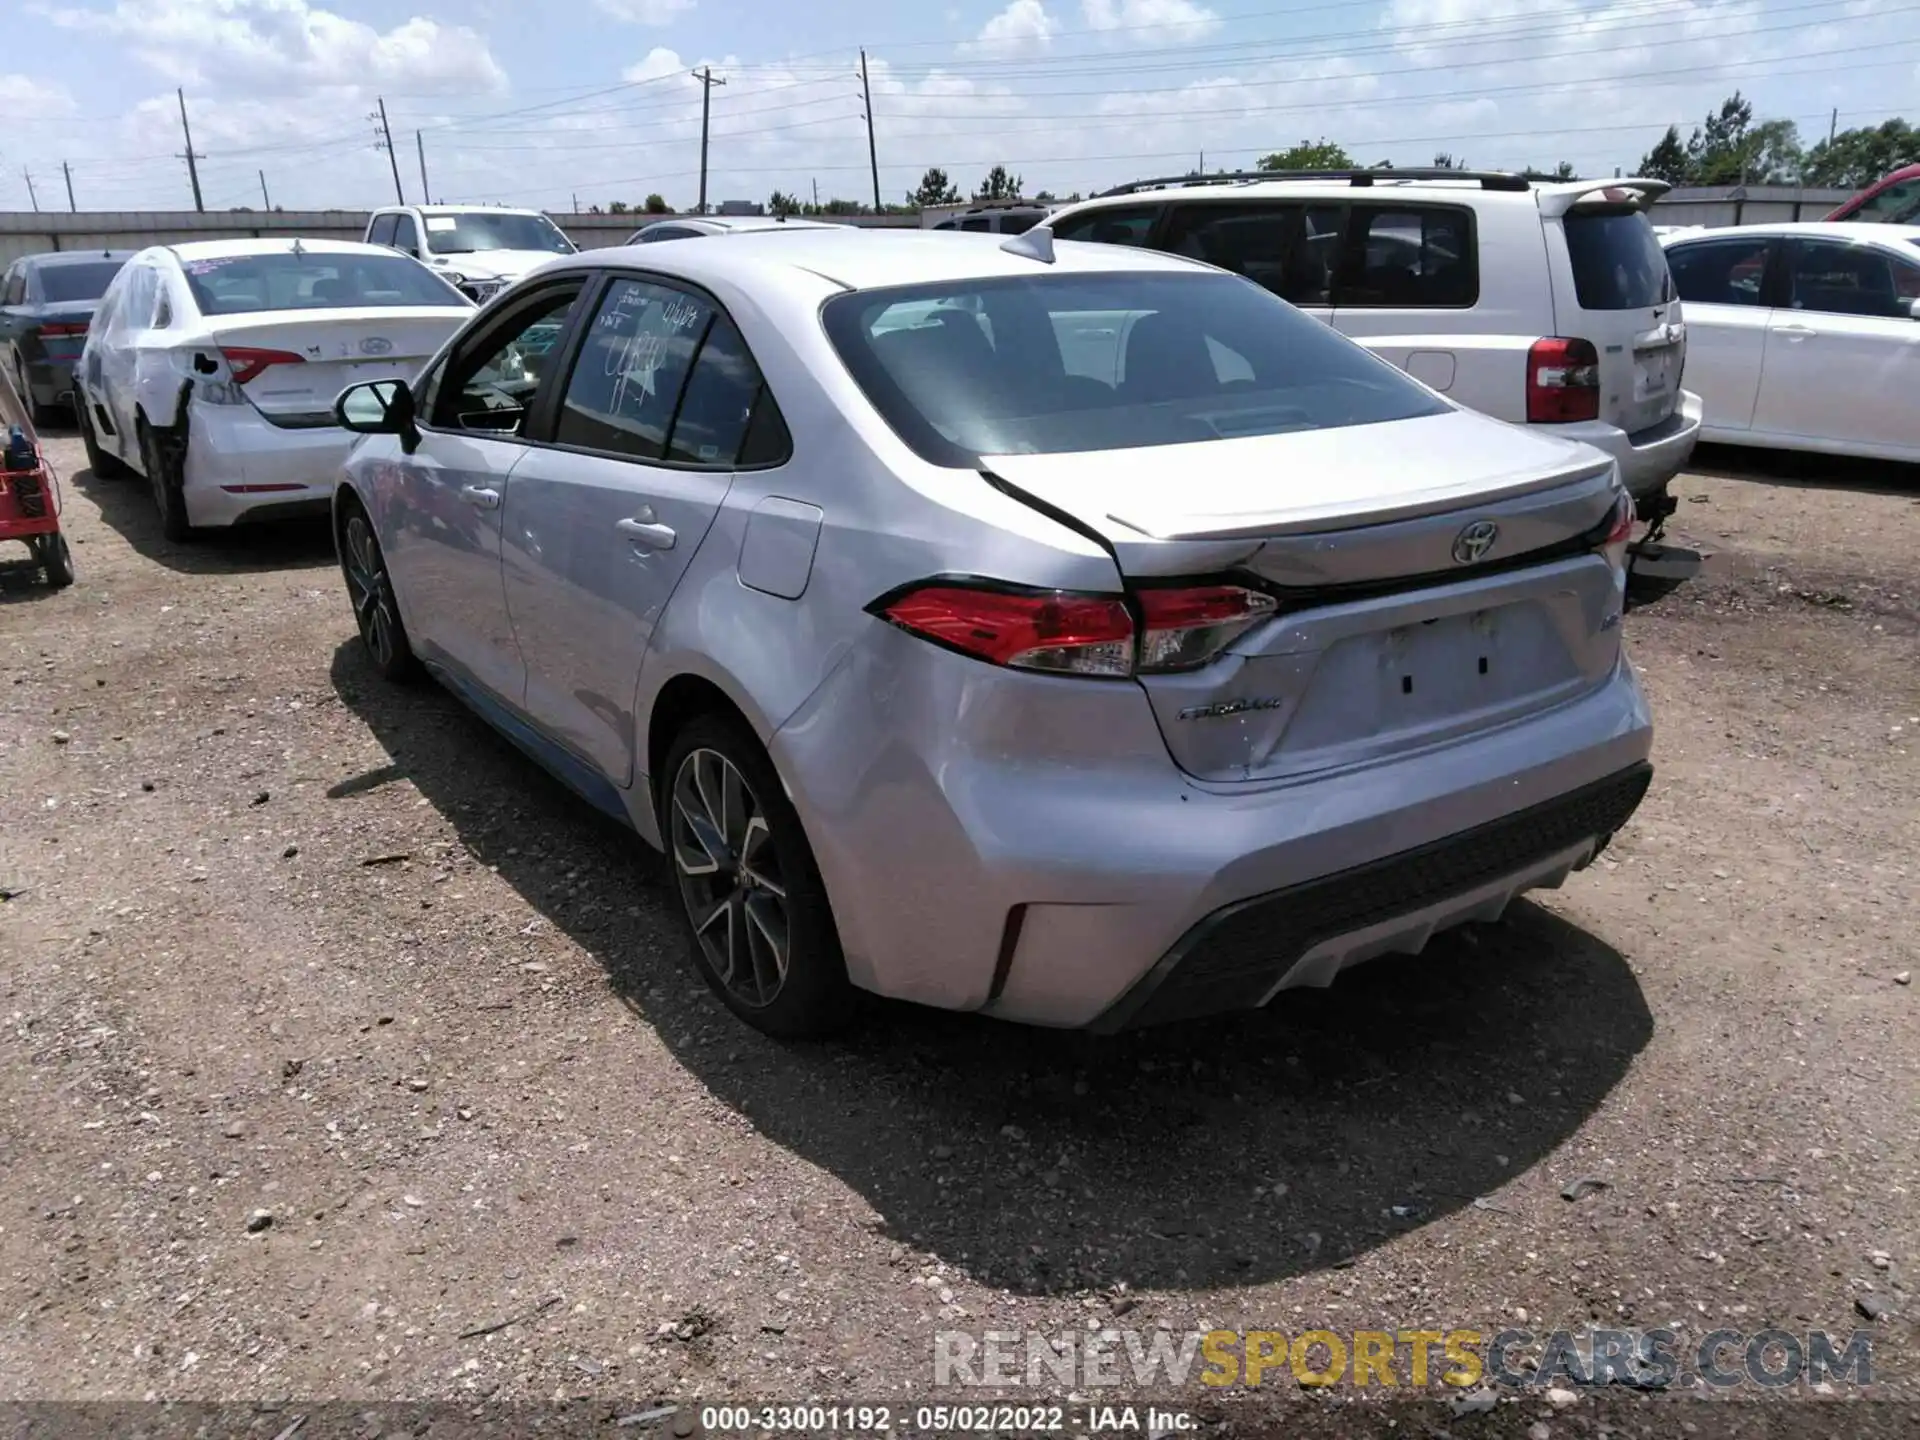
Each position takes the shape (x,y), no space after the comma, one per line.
(33,234)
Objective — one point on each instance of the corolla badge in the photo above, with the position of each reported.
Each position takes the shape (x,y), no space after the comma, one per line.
(1473,543)
(376,346)
(1221,709)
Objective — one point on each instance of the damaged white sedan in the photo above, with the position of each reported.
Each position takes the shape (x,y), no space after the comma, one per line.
(211,369)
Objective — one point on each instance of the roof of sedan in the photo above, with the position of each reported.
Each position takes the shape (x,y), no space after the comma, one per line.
(1831,229)
(78,257)
(863,259)
(224,249)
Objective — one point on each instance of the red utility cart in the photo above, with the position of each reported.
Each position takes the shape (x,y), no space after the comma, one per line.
(29,490)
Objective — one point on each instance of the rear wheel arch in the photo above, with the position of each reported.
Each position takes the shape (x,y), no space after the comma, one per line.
(682,700)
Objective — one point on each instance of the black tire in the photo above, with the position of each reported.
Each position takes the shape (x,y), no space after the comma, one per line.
(56,560)
(103,465)
(762,882)
(164,479)
(376,613)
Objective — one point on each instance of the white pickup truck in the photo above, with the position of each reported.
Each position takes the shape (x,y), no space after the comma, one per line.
(480,249)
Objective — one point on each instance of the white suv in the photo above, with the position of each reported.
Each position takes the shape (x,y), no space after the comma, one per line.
(479,249)
(1541,304)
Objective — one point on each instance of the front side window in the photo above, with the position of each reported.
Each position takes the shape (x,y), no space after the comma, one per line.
(468,231)
(1835,278)
(490,384)
(1721,272)
(1288,249)
(1056,363)
(1413,257)
(406,234)
(1118,226)
(1896,205)
(312,280)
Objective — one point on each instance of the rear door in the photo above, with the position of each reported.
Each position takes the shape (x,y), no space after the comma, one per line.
(1612,288)
(1843,349)
(603,520)
(1723,283)
(1407,284)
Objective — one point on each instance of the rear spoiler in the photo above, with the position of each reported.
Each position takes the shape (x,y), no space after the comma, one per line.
(1557,200)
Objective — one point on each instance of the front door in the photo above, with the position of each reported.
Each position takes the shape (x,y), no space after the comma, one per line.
(603,521)
(441,520)
(1723,285)
(1843,348)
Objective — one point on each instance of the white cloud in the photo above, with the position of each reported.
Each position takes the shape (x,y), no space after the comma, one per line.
(645,12)
(1023,26)
(1152,22)
(23,95)
(277,46)
(659,63)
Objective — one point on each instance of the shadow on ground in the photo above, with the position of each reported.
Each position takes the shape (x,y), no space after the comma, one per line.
(127,505)
(1209,1154)
(1800,471)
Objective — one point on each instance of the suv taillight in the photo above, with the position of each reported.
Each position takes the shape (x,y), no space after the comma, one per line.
(1069,633)
(1563,381)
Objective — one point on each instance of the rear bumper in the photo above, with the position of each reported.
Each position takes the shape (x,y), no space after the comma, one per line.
(1025,846)
(1649,458)
(50,381)
(240,468)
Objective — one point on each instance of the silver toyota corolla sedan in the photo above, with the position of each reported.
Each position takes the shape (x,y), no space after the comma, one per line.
(1074,634)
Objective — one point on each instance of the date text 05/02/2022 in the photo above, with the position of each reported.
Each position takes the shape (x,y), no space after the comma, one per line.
(964,1419)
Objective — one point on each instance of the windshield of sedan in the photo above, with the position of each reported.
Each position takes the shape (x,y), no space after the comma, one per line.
(1067,362)
(471,230)
(317,280)
(77,281)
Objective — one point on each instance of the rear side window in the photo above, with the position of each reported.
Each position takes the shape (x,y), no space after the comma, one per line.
(406,234)
(1117,226)
(1720,272)
(1017,224)
(712,420)
(1895,205)
(1079,362)
(1617,260)
(15,289)
(977,222)
(1419,257)
(1288,249)
(1835,278)
(626,384)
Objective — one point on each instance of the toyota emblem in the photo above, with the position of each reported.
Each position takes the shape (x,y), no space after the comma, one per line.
(1472,544)
(376,346)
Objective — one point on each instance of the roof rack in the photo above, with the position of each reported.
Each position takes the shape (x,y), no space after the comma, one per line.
(1487,179)
(1016,204)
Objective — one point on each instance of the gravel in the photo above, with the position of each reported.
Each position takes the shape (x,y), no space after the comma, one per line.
(448,1014)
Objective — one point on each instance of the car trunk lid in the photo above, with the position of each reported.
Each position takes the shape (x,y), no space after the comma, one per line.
(336,348)
(1432,578)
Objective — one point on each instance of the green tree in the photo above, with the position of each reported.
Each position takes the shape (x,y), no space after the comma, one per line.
(657,205)
(1562,171)
(1730,149)
(843,207)
(1445,161)
(618,207)
(1854,159)
(1667,160)
(1321,154)
(998,185)
(934,189)
(781,203)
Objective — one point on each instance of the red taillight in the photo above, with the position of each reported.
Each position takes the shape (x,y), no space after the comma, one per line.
(64,327)
(1563,382)
(247,362)
(1619,532)
(1074,634)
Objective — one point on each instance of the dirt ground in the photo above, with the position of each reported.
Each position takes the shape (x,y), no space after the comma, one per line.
(279,937)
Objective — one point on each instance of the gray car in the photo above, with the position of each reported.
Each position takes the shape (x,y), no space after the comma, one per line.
(1075,634)
(46,304)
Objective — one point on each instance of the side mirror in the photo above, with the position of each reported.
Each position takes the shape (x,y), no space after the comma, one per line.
(378,407)
(1913,309)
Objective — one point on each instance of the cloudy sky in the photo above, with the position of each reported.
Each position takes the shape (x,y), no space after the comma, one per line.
(534,102)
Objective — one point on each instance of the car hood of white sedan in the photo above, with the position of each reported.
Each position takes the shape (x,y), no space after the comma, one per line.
(495,264)
(1299,481)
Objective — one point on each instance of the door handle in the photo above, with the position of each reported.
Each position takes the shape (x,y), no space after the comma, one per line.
(644,530)
(481,495)
(1796,332)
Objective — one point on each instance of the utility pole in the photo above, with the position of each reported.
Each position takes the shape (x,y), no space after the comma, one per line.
(873,158)
(193,170)
(30,195)
(1833,125)
(576,204)
(384,141)
(707,82)
(816,194)
(67,171)
(266,200)
(426,195)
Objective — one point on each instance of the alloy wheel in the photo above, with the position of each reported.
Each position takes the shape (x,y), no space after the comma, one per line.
(730,876)
(367,588)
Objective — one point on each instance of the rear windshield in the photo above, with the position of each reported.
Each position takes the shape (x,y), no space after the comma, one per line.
(474,230)
(77,281)
(237,284)
(1617,260)
(1054,363)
